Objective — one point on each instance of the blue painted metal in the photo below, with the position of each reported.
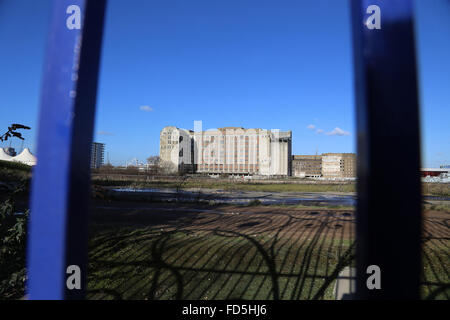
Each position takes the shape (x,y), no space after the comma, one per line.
(60,187)
(387,112)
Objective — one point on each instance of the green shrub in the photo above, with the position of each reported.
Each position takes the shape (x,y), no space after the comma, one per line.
(15,165)
(13,228)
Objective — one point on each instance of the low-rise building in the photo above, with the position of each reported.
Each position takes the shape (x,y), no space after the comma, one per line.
(339,165)
(433,172)
(309,166)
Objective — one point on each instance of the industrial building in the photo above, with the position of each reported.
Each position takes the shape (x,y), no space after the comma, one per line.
(339,165)
(326,165)
(176,150)
(307,166)
(229,150)
(97,155)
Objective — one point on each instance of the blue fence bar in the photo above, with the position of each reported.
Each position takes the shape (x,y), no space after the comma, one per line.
(61,182)
(389,195)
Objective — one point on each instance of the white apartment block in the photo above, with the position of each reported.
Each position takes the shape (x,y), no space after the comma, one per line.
(230,150)
(176,149)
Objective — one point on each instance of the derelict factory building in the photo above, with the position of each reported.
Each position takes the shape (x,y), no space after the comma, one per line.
(229,150)
(326,165)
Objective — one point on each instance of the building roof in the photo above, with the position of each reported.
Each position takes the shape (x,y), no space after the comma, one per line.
(4,155)
(307,156)
(25,157)
(339,154)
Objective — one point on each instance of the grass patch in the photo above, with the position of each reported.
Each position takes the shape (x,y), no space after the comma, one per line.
(436,189)
(435,266)
(205,265)
(437,207)
(431,189)
(210,257)
(230,186)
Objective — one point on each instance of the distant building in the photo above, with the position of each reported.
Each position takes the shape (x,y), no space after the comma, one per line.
(326,165)
(339,165)
(97,155)
(433,172)
(307,166)
(230,150)
(176,150)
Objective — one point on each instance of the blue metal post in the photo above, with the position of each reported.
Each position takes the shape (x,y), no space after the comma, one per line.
(61,181)
(389,195)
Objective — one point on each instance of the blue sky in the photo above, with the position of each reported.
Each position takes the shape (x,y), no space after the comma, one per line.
(265,64)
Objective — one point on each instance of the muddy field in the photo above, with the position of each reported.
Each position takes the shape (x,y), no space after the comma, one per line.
(175,251)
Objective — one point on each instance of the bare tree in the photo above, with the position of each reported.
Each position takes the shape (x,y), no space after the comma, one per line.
(166,167)
(153,160)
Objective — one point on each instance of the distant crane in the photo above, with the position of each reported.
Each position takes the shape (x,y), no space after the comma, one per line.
(132,162)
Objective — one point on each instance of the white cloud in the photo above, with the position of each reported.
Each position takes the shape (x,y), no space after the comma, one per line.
(146,108)
(105,133)
(319,131)
(338,132)
(311,127)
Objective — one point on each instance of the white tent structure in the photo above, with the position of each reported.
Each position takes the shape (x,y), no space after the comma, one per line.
(4,156)
(25,157)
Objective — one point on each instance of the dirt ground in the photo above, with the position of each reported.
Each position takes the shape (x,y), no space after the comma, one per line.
(252,219)
(249,219)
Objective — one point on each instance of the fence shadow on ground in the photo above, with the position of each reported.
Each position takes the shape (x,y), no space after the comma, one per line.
(215,253)
(436,256)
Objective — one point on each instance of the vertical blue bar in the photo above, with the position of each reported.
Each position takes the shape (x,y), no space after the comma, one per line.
(389,191)
(60,186)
